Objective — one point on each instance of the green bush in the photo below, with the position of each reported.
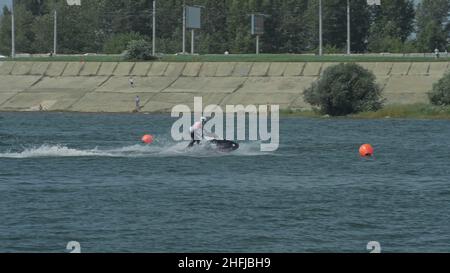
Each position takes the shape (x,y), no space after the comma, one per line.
(332,49)
(140,50)
(118,43)
(345,89)
(440,95)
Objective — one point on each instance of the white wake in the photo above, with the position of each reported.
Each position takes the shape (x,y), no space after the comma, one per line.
(138,150)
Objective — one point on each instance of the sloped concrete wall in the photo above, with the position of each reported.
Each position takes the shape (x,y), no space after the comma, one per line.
(6,68)
(50,93)
(10,86)
(105,87)
(90,69)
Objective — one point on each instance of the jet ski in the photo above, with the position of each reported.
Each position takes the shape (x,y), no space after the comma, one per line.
(222,145)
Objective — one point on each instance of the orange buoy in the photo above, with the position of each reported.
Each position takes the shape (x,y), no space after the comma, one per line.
(366,150)
(147,139)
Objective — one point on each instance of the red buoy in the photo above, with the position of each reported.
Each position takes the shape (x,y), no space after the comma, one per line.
(147,139)
(366,150)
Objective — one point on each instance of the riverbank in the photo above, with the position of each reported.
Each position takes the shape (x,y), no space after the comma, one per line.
(105,86)
(243,58)
(410,111)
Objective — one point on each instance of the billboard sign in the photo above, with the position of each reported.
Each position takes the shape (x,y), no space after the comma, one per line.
(193,17)
(257,24)
(374,2)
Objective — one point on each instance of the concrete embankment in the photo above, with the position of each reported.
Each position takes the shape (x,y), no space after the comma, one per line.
(104,87)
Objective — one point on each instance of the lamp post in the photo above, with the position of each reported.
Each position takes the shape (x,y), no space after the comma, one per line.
(184,27)
(348,29)
(320,29)
(13,32)
(55,32)
(154,29)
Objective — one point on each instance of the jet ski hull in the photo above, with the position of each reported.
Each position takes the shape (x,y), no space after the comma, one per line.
(225,145)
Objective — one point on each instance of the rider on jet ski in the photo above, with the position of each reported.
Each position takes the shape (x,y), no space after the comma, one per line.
(197,131)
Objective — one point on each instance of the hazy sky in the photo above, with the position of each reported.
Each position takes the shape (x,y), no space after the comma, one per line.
(3,2)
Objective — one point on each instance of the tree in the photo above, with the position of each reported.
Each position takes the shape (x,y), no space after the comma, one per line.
(440,95)
(345,89)
(24,35)
(292,34)
(5,32)
(36,7)
(360,25)
(290,27)
(383,40)
(122,16)
(431,28)
(169,29)
(139,50)
(335,24)
(213,35)
(238,22)
(392,23)
(79,28)
(43,30)
(118,43)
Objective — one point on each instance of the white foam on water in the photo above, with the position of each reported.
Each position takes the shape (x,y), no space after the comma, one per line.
(138,150)
(49,151)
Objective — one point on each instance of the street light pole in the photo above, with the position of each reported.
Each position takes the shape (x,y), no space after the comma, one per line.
(348,29)
(154,29)
(192,41)
(55,32)
(320,29)
(13,32)
(184,27)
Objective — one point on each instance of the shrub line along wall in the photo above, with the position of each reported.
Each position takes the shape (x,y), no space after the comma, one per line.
(104,87)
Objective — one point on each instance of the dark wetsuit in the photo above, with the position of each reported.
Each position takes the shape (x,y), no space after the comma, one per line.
(193,141)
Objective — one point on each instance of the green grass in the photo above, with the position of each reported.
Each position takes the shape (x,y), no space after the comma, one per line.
(300,113)
(411,111)
(295,58)
(243,58)
(105,58)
